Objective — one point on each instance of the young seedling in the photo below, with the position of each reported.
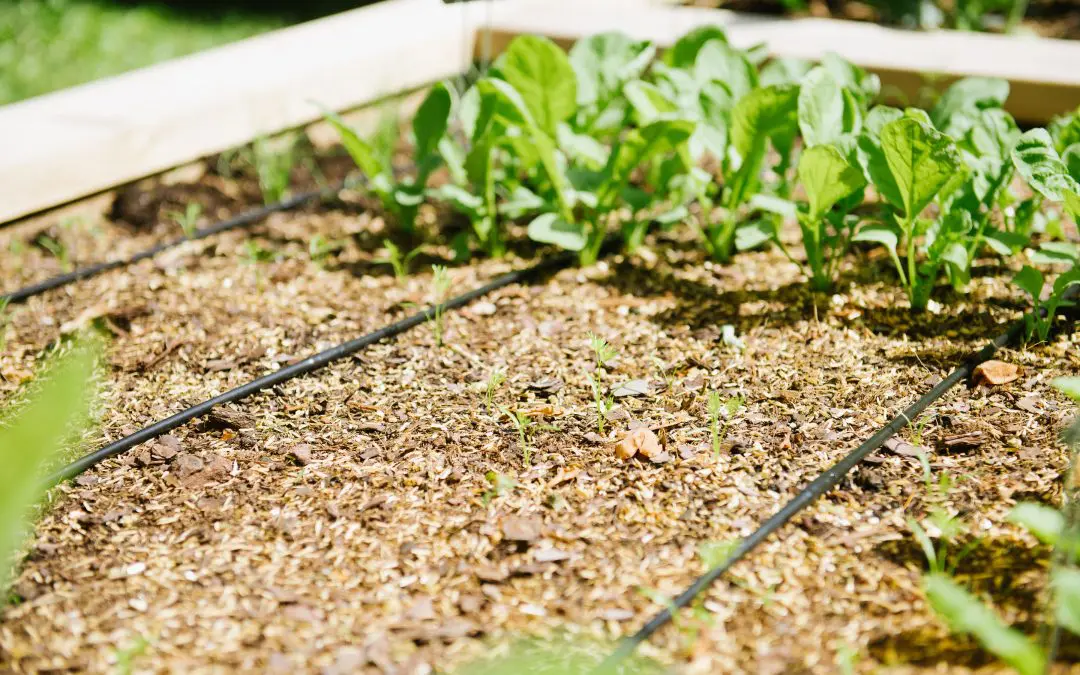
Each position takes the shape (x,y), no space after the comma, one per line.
(188,219)
(273,167)
(721,408)
(524,424)
(440,286)
(499,484)
(399,260)
(602,353)
(57,249)
(254,255)
(494,381)
(1041,317)
(320,249)
(401,199)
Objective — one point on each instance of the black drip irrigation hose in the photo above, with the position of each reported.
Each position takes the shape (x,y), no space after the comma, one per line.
(244,219)
(818,487)
(310,364)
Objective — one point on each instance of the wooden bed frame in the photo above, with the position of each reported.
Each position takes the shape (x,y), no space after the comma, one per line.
(77,142)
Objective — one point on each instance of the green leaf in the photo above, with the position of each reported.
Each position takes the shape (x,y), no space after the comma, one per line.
(432,117)
(1037,161)
(880,234)
(821,108)
(1066,585)
(964,613)
(754,234)
(541,73)
(648,102)
(1070,386)
(956,255)
(1030,280)
(34,437)
(720,62)
(638,147)
(864,86)
(960,104)
(462,199)
(763,113)
(582,147)
(604,62)
(784,70)
(684,52)
(1044,522)
(827,177)
(361,152)
(919,162)
(879,116)
(776,205)
(548,228)
(521,201)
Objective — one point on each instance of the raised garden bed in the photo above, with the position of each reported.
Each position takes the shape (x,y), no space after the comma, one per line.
(402,508)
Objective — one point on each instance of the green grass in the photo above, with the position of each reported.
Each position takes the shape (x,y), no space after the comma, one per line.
(51,44)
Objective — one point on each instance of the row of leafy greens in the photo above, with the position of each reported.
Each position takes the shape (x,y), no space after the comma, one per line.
(614,137)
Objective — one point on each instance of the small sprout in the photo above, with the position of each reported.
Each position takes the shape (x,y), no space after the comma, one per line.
(500,485)
(494,381)
(721,408)
(399,259)
(254,254)
(713,554)
(440,286)
(320,249)
(523,423)
(126,656)
(57,249)
(188,220)
(273,167)
(602,352)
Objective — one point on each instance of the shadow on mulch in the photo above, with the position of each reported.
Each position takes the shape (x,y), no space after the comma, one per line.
(701,306)
(999,570)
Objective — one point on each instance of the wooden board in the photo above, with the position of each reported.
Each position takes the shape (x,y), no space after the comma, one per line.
(1044,73)
(66,145)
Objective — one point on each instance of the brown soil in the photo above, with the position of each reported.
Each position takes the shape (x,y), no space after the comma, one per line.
(344,522)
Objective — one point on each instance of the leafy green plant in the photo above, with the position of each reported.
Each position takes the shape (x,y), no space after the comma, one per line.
(188,219)
(440,287)
(401,199)
(32,436)
(718,408)
(602,353)
(910,164)
(273,166)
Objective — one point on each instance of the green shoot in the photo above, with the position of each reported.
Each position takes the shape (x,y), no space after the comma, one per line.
(602,352)
(32,438)
(273,168)
(726,409)
(254,254)
(399,259)
(57,249)
(440,287)
(523,423)
(494,381)
(126,656)
(499,484)
(188,220)
(320,249)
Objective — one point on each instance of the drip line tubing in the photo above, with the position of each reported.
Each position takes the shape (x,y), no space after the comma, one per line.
(809,494)
(245,219)
(308,365)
